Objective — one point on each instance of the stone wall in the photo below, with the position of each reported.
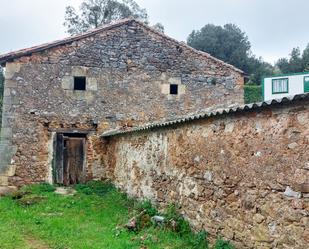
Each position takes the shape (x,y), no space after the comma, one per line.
(244,175)
(128,70)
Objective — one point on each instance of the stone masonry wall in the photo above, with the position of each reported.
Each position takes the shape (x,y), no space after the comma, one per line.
(244,176)
(128,68)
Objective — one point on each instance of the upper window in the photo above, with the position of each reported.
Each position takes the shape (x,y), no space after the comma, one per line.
(280,85)
(80,83)
(173,89)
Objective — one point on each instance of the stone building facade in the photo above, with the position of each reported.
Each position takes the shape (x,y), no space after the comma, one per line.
(242,173)
(59,96)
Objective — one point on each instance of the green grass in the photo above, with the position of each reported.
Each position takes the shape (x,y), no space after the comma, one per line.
(92,218)
(253,93)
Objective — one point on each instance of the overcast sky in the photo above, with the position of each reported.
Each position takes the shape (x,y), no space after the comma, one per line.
(274,27)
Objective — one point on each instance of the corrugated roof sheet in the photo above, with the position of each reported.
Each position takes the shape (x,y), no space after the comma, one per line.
(202,115)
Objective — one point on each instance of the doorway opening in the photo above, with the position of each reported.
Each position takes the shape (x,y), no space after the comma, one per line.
(69,158)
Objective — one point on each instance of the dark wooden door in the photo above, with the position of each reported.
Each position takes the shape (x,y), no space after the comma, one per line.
(69,160)
(73,168)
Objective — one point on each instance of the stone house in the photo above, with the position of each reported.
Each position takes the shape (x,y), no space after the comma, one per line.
(59,97)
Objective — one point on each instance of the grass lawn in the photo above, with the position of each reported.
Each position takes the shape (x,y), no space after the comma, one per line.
(84,220)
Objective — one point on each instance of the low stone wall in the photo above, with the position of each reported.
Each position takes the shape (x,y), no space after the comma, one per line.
(244,175)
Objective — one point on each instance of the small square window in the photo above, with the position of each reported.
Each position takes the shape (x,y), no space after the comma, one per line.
(80,83)
(173,89)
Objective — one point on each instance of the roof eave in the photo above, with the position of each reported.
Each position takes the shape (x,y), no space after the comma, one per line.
(8,57)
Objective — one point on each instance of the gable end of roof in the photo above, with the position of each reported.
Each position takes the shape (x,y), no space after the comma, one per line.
(29,51)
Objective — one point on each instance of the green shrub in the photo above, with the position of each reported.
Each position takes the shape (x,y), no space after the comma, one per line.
(200,240)
(143,221)
(223,244)
(95,187)
(147,207)
(176,222)
(252,93)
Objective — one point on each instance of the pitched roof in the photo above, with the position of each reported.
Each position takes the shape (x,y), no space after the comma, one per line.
(207,114)
(28,51)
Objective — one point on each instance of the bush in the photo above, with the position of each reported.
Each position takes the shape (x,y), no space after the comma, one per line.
(173,221)
(252,93)
(95,187)
(176,222)
(147,207)
(200,240)
(223,244)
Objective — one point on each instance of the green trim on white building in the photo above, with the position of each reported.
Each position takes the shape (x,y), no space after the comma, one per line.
(283,85)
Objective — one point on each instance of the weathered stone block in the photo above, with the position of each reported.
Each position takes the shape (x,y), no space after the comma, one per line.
(6,133)
(11,69)
(7,190)
(165,89)
(261,234)
(229,127)
(67,83)
(258,218)
(176,81)
(14,100)
(181,89)
(6,108)
(10,83)
(79,95)
(302,118)
(3,180)
(292,146)
(80,71)
(6,92)
(163,77)
(11,170)
(92,84)
(291,193)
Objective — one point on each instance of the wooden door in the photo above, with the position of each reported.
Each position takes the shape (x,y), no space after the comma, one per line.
(74,155)
(69,159)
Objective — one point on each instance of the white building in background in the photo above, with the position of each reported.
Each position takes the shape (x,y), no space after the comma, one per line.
(280,86)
